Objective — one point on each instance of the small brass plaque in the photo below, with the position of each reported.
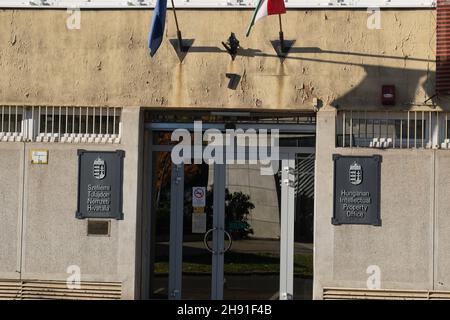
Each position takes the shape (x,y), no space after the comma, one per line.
(39,156)
(98,227)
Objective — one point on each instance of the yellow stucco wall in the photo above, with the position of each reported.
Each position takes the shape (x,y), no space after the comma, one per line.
(336,59)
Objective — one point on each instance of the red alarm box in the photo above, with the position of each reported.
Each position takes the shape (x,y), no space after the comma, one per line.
(388,95)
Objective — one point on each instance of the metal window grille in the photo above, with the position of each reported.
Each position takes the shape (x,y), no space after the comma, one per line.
(60,124)
(397,130)
(11,127)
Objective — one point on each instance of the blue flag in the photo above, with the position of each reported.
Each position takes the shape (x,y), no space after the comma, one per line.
(157,28)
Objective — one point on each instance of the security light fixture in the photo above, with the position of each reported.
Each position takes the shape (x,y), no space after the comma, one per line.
(232,45)
(388,95)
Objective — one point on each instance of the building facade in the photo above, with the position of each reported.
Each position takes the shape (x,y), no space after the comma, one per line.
(73,80)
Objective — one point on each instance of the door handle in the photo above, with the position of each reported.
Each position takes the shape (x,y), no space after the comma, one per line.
(205,241)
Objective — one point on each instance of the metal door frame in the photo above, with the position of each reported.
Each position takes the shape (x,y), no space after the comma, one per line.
(218,232)
(176,232)
(287,220)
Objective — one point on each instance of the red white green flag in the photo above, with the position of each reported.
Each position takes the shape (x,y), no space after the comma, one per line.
(266,8)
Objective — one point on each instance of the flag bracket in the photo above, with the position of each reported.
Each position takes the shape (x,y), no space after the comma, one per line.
(181,46)
(282,47)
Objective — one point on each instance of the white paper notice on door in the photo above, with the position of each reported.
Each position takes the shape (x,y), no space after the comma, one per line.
(198,222)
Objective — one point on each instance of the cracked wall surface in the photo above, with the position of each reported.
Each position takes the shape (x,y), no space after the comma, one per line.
(335,58)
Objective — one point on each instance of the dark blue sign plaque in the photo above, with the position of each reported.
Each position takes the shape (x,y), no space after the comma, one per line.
(356,190)
(100,180)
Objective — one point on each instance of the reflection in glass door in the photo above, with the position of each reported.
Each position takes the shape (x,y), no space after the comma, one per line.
(253,216)
(161,186)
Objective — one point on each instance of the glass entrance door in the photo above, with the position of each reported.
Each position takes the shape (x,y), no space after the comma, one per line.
(252,218)
(227,231)
(182,209)
(199,184)
(259,216)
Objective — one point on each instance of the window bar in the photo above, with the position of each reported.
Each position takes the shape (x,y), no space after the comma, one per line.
(59,124)
(114,121)
(45,125)
(15,120)
(39,120)
(365,121)
(100,122)
(32,124)
(423,129)
(107,120)
(415,129)
(438,115)
(67,121)
(18,123)
(53,120)
(9,119)
(373,128)
(23,125)
(401,133)
(3,117)
(119,123)
(393,134)
(351,128)
(87,120)
(429,130)
(73,120)
(27,125)
(358,126)
(407,132)
(79,122)
(343,128)
(380,132)
(446,125)
(93,121)
(386,121)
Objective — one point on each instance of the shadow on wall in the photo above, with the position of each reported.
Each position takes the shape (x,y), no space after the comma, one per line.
(407,82)
(414,86)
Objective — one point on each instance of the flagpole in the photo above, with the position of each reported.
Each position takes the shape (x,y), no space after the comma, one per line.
(252,22)
(281,34)
(180,39)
